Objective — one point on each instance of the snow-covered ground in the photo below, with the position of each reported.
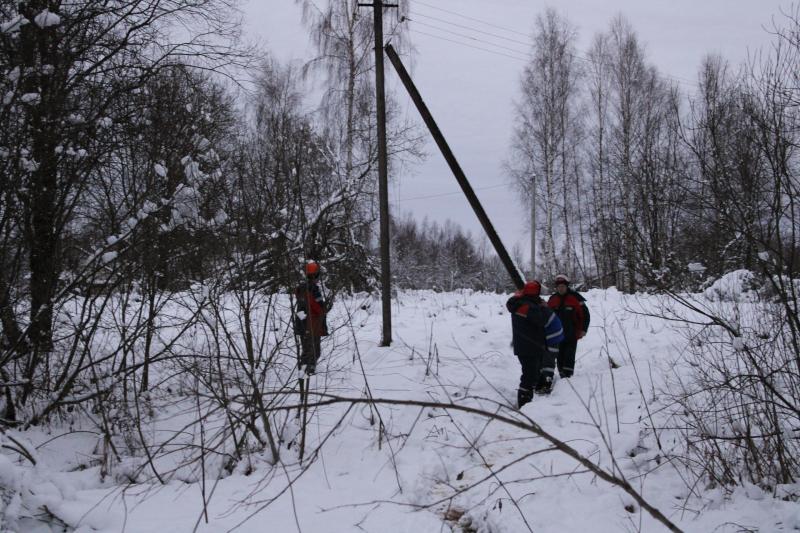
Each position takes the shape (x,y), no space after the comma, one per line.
(431,469)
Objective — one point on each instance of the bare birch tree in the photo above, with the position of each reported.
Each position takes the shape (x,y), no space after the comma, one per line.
(602,213)
(343,35)
(546,123)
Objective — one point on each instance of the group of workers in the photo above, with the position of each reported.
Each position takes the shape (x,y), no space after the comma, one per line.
(545,334)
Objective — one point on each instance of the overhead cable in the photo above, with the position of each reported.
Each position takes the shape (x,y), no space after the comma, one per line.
(462,26)
(470,37)
(524,60)
(576,55)
(472,18)
(454,192)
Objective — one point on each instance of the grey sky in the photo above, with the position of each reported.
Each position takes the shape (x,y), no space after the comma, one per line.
(470,92)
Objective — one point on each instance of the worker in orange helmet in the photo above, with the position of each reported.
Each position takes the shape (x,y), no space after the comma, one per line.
(536,333)
(571,308)
(310,322)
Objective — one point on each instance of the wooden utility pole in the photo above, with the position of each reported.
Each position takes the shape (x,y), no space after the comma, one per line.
(533,226)
(452,162)
(383,178)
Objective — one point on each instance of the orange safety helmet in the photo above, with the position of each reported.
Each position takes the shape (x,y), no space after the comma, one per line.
(312,268)
(532,288)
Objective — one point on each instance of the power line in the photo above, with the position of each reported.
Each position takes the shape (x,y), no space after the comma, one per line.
(472,18)
(526,43)
(577,55)
(465,36)
(506,184)
(524,60)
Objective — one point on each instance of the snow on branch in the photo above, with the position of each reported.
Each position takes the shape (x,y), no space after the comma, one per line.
(13,25)
(46,19)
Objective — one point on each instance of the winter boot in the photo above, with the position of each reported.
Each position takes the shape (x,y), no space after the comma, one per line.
(545,385)
(523,396)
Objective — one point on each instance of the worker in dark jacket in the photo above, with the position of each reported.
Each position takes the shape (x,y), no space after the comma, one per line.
(310,321)
(536,333)
(570,306)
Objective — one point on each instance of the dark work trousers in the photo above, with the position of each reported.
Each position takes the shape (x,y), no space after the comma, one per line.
(535,368)
(566,357)
(530,371)
(310,350)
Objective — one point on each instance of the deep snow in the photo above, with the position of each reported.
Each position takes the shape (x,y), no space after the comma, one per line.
(447,347)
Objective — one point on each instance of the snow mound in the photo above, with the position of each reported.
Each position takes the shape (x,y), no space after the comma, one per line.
(13,25)
(737,286)
(696,268)
(45,19)
(31,98)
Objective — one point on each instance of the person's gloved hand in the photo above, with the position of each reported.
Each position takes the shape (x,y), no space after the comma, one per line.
(512,304)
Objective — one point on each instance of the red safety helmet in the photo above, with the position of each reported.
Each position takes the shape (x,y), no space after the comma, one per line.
(312,268)
(532,288)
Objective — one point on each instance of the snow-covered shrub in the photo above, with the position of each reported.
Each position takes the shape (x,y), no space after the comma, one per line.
(244,371)
(777,287)
(737,286)
(29,496)
(10,482)
(739,408)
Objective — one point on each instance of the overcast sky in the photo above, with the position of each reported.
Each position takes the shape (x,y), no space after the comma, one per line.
(471,92)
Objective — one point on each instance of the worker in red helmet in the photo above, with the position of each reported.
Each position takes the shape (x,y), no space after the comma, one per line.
(536,334)
(571,308)
(310,322)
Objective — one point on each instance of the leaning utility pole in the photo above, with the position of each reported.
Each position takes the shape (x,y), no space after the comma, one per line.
(533,226)
(455,168)
(383,179)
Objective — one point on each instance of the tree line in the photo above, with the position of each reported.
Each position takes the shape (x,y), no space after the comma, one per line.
(631,175)
(443,257)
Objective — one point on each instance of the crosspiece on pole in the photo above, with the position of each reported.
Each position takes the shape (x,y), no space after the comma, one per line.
(512,269)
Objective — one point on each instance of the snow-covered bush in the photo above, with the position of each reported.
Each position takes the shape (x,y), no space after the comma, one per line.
(737,286)
(30,497)
(740,405)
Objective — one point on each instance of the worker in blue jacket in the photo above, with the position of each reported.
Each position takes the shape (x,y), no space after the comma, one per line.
(537,331)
